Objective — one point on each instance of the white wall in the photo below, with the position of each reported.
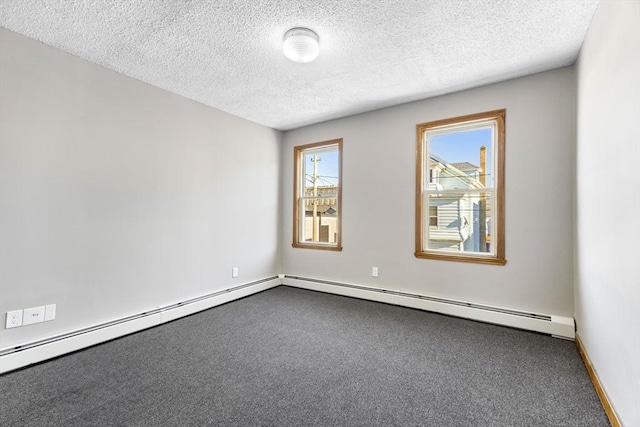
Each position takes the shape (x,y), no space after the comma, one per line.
(607,290)
(379,188)
(118,197)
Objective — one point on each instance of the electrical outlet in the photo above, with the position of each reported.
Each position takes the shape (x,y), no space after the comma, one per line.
(33,315)
(234,272)
(374,271)
(49,312)
(14,319)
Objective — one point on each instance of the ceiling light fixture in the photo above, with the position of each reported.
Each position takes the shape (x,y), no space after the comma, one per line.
(300,45)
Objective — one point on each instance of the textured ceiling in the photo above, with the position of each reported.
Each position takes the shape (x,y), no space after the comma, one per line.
(373,54)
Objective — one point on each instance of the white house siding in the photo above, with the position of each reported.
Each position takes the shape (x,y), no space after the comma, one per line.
(451,229)
(332,222)
(444,245)
(448,220)
(473,244)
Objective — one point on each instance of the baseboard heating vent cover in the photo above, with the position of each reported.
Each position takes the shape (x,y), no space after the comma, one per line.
(562,327)
(36,351)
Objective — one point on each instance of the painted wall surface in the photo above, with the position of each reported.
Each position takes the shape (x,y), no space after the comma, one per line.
(119,197)
(607,290)
(379,199)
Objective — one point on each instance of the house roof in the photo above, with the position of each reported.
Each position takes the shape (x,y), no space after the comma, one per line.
(465,166)
(453,171)
(438,159)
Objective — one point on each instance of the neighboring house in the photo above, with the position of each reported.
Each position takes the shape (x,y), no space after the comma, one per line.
(455,217)
(325,216)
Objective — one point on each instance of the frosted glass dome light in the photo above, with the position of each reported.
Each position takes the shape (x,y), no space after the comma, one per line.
(300,45)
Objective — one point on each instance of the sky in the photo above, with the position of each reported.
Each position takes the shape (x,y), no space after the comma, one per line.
(327,168)
(463,146)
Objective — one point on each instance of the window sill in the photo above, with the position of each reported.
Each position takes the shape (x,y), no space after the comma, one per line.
(320,247)
(461,258)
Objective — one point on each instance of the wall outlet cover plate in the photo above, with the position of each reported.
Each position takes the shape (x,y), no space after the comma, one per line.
(14,319)
(49,312)
(33,315)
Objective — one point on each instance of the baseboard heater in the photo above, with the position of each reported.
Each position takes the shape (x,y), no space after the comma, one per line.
(37,351)
(558,326)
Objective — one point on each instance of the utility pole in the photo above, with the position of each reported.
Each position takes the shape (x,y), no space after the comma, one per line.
(483,202)
(316,226)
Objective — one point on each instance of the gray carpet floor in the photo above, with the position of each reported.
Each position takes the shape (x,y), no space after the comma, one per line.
(291,357)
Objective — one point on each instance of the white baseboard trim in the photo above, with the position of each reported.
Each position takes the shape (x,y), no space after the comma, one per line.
(39,351)
(558,326)
(27,354)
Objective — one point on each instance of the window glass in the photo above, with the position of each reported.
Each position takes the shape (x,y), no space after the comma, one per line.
(460,207)
(318,195)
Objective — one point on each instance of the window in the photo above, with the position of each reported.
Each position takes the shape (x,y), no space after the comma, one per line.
(433,216)
(317,209)
(460,189)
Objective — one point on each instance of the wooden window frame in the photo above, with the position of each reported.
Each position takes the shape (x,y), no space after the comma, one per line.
(298,153)
(422,168)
